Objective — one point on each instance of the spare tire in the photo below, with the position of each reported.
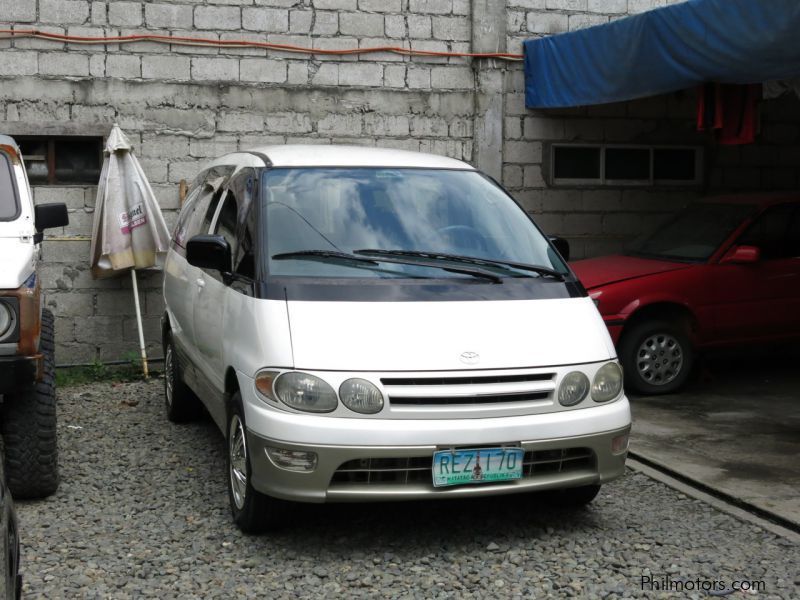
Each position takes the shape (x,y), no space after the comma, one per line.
(29,428)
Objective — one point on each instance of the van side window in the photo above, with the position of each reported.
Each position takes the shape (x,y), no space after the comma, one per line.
(179,235)
(244,263)
(205,224)
(243,187)
(201,205)
(770,233)
(226,221)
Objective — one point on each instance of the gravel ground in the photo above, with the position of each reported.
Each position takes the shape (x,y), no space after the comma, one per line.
(143,511)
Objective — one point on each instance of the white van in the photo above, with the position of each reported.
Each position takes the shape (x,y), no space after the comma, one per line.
(367,324)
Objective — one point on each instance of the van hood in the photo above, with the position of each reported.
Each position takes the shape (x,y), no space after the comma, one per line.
(17,263)
(596,272)
(431,336)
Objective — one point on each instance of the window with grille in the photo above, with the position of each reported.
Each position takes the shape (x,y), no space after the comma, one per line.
(611,165)
(53,160)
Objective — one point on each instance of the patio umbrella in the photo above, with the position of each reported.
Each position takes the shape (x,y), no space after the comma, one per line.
(129,231)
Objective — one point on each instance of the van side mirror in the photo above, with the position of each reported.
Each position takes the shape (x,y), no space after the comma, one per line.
(47,216)
(209,252)
(561,245)
(742,255)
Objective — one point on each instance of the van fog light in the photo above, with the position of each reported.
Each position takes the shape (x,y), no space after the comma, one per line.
(361,396)
(573,388)
(607,383)
(292,460)
(619,444)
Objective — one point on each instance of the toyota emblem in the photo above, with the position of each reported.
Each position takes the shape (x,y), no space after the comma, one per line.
(470,358)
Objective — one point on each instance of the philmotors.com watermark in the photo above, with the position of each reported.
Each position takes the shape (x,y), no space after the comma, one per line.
(666,583)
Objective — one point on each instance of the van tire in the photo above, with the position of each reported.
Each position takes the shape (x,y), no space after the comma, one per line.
(29,427)
(672,337)
(252,511)
(181,405)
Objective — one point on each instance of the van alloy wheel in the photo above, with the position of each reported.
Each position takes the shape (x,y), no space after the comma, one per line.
(252,511)
(237,449)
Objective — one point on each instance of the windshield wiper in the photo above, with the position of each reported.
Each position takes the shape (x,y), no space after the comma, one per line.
(542,271)
(334,254)
(345,257)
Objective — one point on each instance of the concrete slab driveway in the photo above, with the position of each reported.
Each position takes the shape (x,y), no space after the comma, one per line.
(735,428)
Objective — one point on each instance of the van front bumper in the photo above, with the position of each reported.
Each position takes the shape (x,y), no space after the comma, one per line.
(570,448)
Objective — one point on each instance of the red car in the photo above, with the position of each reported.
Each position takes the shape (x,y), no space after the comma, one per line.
(723,272)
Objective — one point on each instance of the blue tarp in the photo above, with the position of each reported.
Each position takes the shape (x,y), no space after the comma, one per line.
(663,50)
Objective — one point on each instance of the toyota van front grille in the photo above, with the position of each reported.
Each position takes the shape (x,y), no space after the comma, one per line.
(487,399)
(385,470)
(469,390)
(472,379)
(401,471)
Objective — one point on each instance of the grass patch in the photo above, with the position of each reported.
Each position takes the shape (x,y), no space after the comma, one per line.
(99,372)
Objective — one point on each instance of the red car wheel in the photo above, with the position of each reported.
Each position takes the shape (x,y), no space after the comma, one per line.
(657,357)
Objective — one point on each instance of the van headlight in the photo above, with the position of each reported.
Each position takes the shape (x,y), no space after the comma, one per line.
(305,392)
(573,388)
(361,396)
(6,319)
(607,383)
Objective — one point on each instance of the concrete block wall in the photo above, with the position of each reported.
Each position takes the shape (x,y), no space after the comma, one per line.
(182,106)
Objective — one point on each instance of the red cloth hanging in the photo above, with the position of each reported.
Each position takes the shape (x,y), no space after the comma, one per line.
(730,111)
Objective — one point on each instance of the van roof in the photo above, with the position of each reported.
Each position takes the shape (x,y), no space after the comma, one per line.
(311,155)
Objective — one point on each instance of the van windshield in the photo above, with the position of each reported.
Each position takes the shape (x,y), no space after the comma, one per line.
(395,219)
(8,198)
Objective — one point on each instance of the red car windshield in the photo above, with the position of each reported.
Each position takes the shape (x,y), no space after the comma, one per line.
(694,234)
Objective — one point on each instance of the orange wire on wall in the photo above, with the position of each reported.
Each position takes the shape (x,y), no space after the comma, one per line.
(203,42)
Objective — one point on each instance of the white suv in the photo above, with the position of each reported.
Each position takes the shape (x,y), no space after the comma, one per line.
(367,324)
(27,370)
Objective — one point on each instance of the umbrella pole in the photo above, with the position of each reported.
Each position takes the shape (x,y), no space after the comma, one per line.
(139,323)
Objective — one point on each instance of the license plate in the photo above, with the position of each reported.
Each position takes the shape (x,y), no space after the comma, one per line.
(479,465)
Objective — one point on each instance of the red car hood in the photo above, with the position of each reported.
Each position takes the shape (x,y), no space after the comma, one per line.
(595,272)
